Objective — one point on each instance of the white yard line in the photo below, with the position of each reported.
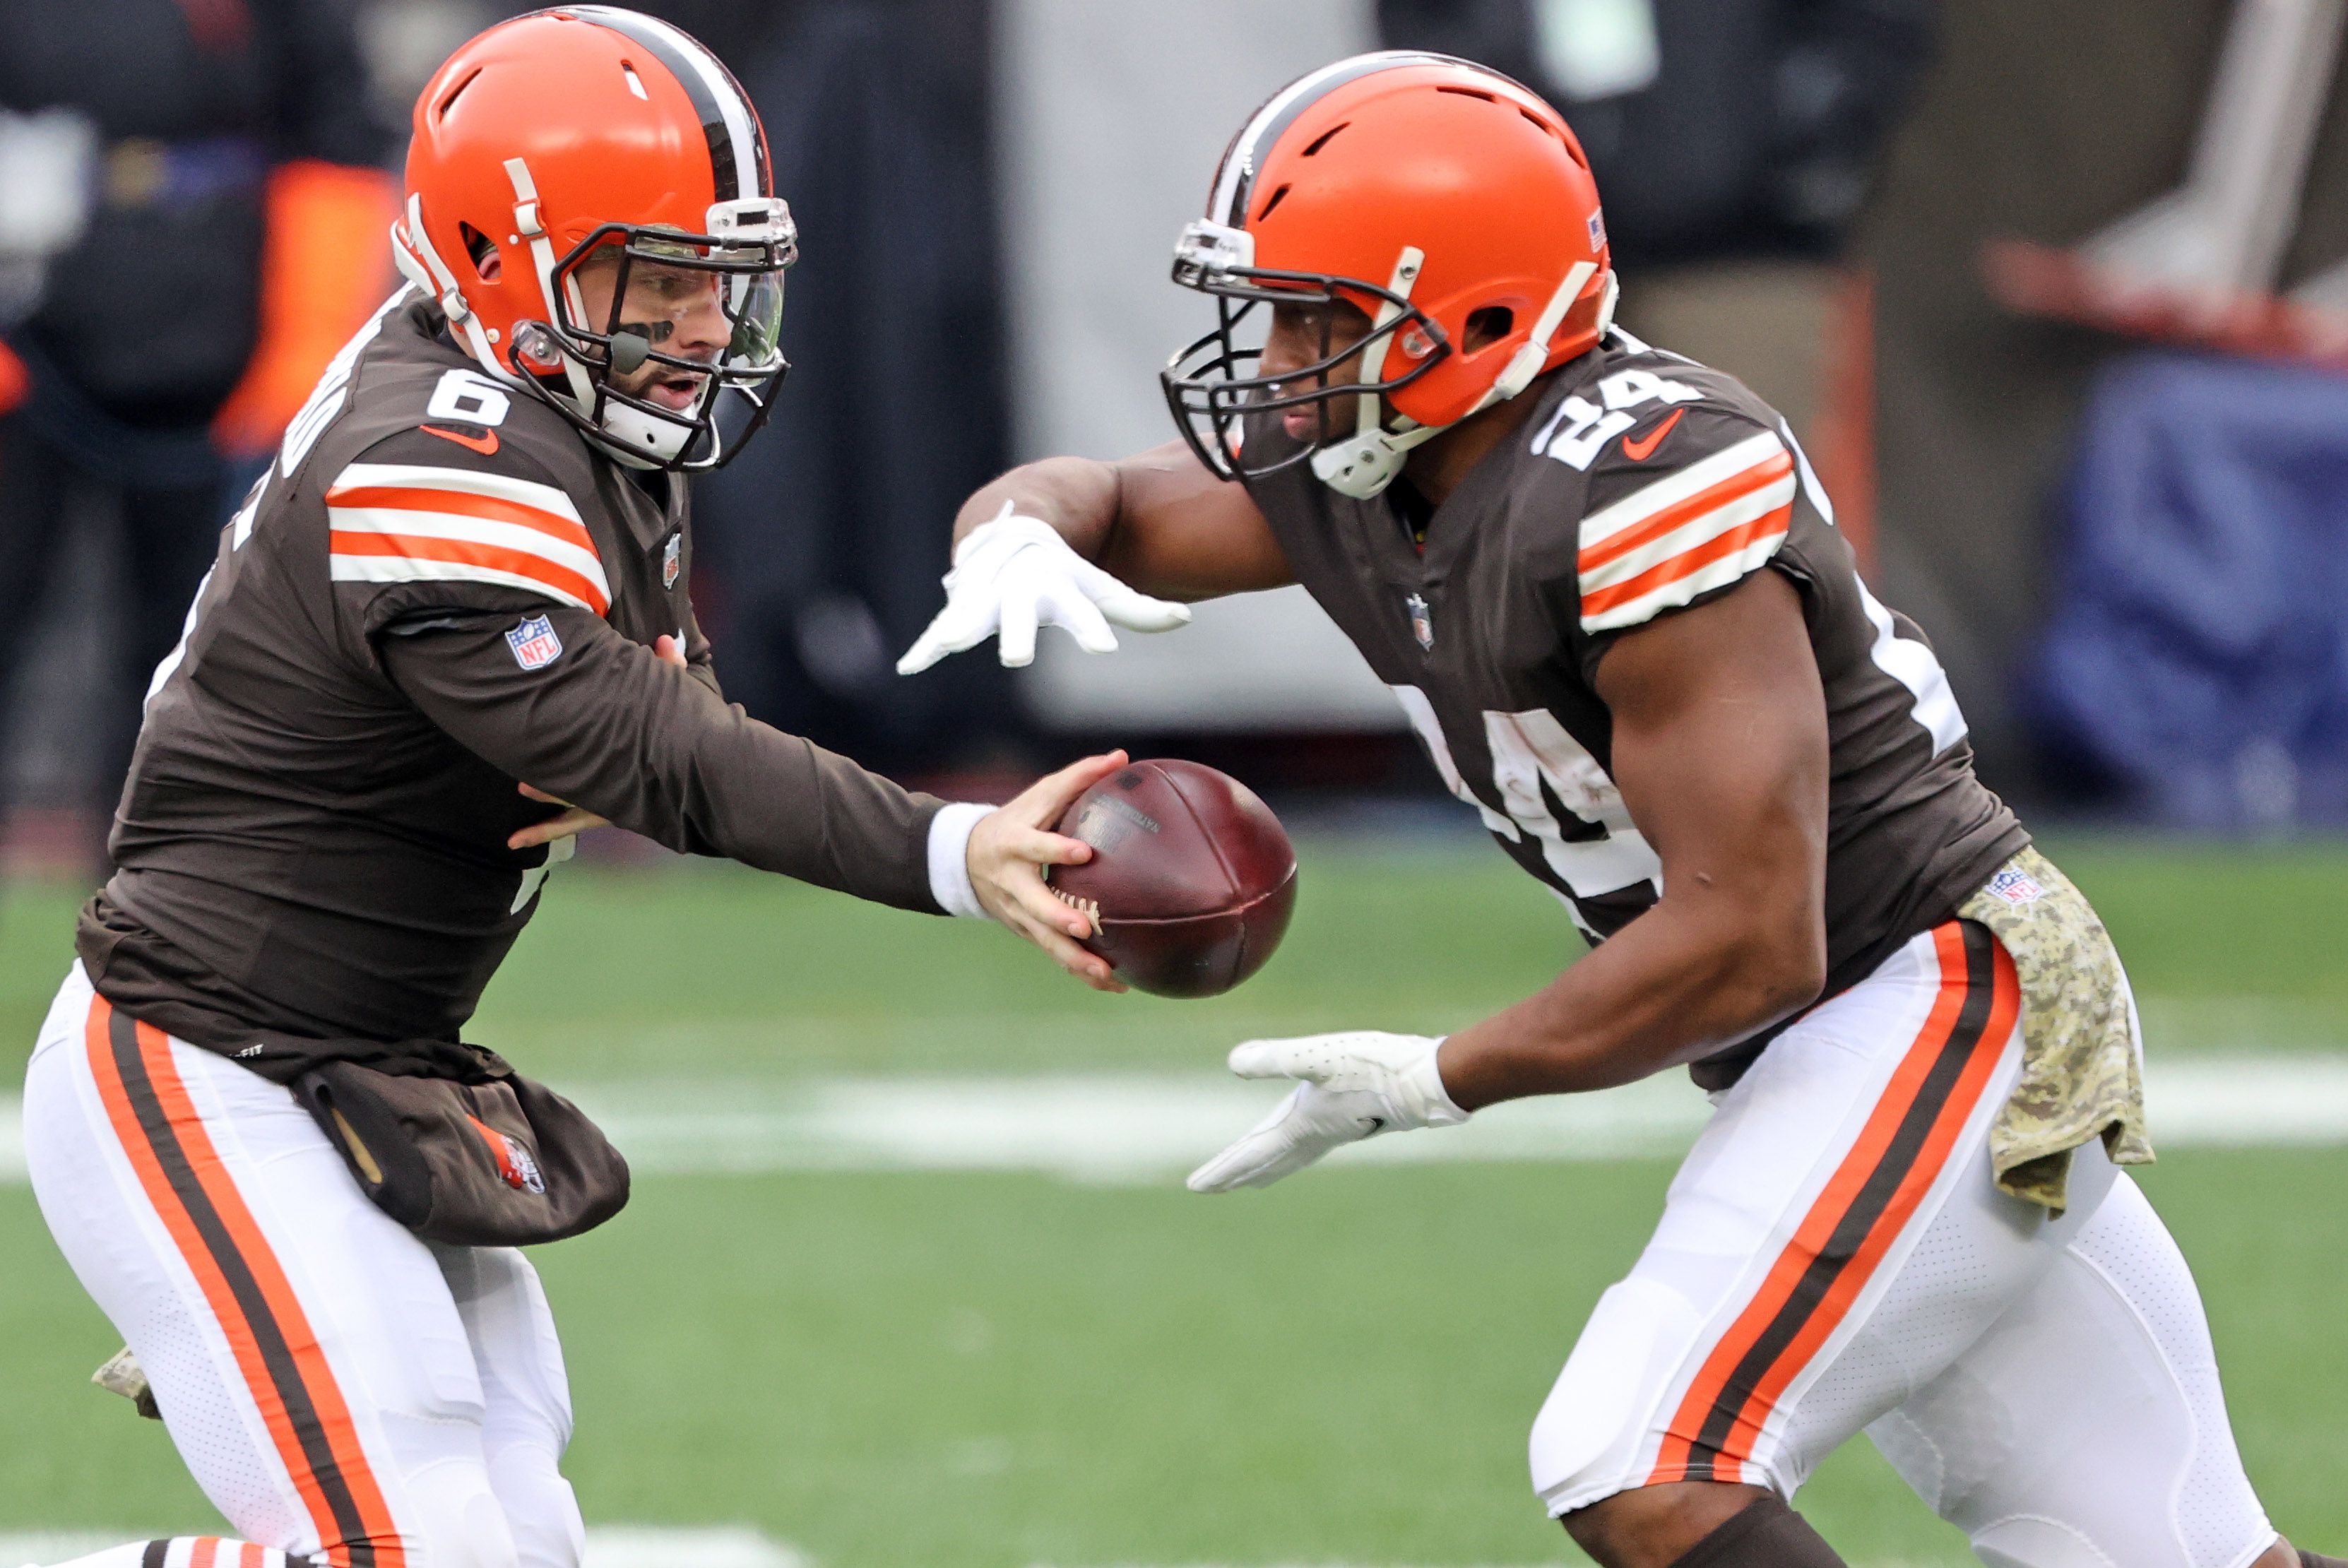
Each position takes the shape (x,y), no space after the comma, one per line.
(610,1546)
(1105,1127)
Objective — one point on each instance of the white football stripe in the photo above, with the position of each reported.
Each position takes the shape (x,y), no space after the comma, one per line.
(608,1546)
(472,530)
(1245,153)
(1148,1128)
(402,569)
(461,481)
(1680,590)
(1670,491)
(1726,518)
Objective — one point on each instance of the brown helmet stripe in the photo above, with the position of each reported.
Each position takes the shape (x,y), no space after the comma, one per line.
(738,151)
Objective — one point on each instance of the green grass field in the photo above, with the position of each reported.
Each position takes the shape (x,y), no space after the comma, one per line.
(893,1370)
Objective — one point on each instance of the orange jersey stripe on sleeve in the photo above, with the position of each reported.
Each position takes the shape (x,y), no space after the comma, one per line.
(1686,534)
(408,557)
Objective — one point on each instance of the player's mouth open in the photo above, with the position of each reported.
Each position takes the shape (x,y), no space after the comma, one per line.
(679,390)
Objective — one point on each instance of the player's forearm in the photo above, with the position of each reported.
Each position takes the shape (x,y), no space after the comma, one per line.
(783,804)
(1157,521)
(650,748)
(1077,497)
(1675,985)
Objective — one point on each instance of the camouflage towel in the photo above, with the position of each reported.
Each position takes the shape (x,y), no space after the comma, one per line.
(2081,1075)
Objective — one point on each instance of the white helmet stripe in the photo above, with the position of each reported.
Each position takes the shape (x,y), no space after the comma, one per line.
(709,83)
(1228,204)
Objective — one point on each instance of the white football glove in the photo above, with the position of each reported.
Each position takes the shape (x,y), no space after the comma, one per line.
(1356,1085)
(1014,574)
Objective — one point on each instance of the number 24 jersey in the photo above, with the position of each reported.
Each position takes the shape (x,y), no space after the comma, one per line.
(1643,483)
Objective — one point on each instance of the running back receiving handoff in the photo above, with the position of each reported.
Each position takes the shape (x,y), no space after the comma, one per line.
(1607,588)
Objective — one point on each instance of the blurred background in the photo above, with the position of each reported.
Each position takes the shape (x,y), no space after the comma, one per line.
(2056,298)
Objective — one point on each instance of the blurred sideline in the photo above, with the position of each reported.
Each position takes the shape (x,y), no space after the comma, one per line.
(1148,1129)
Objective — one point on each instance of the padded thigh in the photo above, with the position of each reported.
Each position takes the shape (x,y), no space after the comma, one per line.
(2086,1430)
(1595,1418)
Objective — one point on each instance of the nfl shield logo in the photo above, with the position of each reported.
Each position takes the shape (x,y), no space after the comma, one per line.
(2017,887)
(1422,623)
(1597,231)
(671,559)
(534,644)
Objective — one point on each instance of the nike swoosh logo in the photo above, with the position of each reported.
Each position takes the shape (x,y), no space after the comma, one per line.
(487,445)
(1639,451)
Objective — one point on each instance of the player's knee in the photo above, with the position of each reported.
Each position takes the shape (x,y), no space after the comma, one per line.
(453,1520)
(1586,1439)
(541,1510)
(1682,1524)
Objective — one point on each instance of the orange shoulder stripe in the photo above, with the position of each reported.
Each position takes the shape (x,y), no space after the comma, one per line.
(1743,482)
(462,504)
(1767,526)
(465,552)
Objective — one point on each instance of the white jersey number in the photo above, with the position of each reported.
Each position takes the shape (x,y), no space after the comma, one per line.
(1597,849)
(1580,428)
(469,398)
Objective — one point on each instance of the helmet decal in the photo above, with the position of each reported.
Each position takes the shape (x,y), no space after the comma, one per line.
(735,144)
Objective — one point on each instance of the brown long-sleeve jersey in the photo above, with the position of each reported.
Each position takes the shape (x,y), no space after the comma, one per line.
(439,590)
(1643,483)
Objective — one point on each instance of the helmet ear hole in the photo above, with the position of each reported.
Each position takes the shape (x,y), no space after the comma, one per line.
(483,250)
(1486,326)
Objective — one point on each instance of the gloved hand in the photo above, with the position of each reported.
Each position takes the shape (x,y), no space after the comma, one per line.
(1356,1085)
(1014,574)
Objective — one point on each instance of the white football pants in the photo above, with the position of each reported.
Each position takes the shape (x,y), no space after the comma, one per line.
(1835,1256)
(337,1386)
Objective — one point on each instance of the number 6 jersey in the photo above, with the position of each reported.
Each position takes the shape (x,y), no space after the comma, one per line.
(1642,483)
(439,590)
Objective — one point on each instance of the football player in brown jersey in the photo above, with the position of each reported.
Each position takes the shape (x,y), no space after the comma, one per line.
(1607,588)
(459,593)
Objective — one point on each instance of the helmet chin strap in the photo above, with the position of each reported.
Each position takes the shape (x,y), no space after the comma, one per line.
(421,266)
(1363,464)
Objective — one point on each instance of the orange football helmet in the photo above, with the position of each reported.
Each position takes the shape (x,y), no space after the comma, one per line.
(560,133)
(1422,189)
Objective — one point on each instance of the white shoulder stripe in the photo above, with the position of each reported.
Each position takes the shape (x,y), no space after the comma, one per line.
(1685,590)
(1726,518)
(473,530)
(403,569)
(1672,489)
(460,481)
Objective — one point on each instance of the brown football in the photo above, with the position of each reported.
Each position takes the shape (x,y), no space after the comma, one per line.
(1192,882)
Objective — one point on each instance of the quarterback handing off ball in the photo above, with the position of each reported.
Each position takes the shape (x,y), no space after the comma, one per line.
(1192,882)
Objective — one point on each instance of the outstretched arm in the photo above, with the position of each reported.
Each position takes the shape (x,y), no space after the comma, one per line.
(1073,543)
(629,735)
(1157,521)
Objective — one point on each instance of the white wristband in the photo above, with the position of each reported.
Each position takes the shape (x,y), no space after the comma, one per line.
(949,833)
